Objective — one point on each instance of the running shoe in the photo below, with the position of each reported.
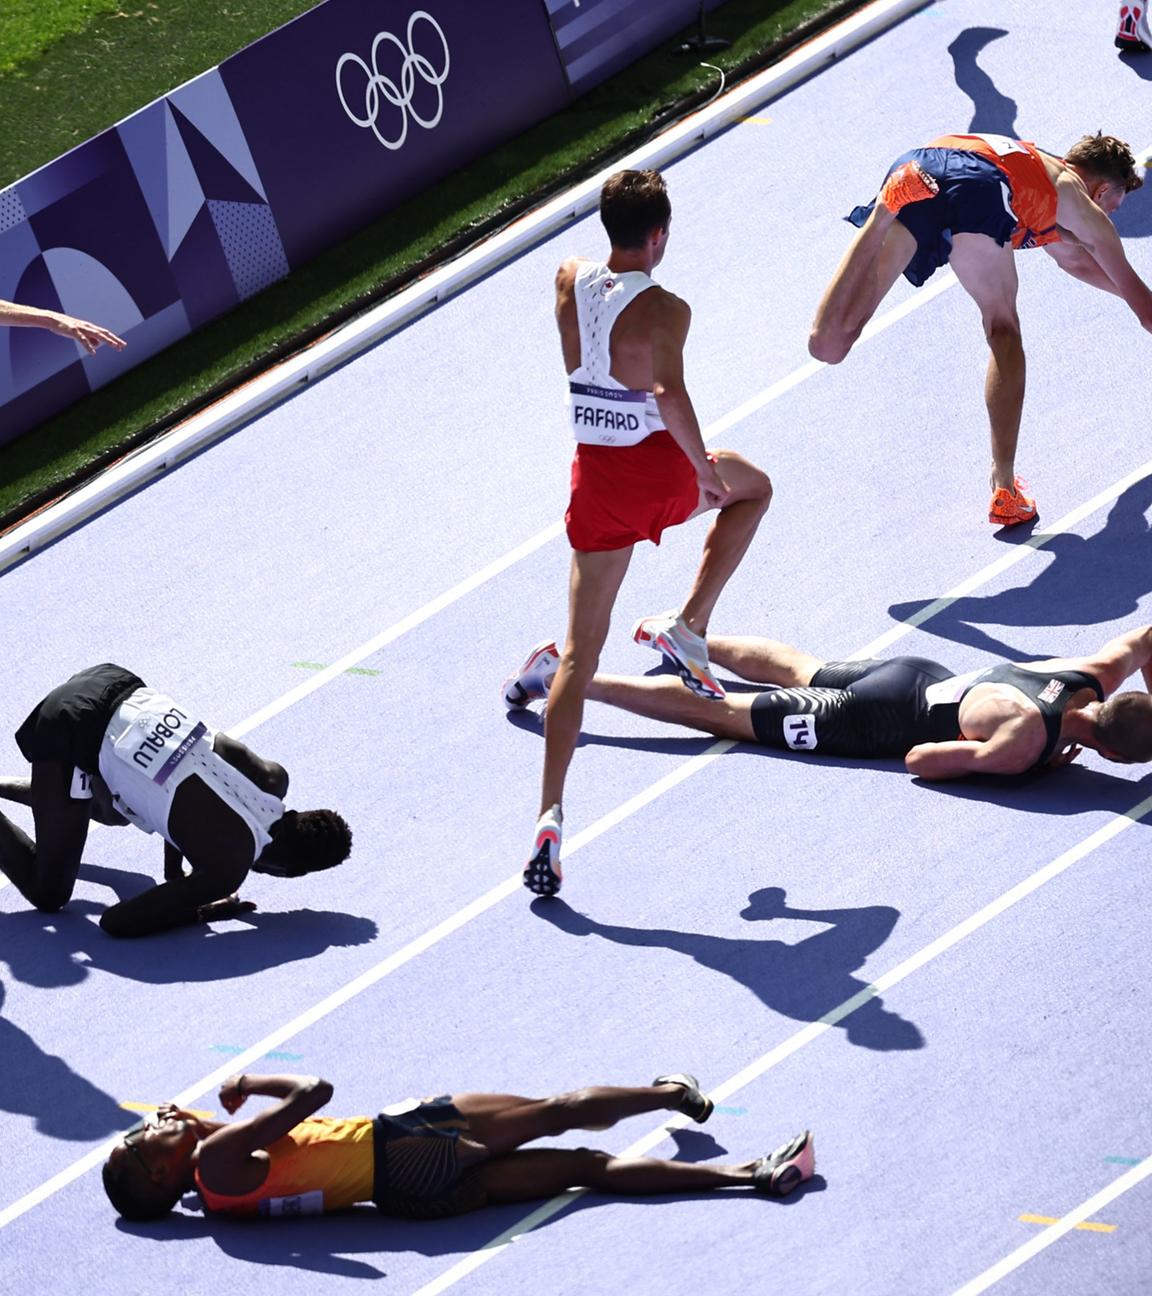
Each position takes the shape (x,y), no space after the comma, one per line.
(692,1103)
(1133,35)
(533,680)
(684,649)
(784,1170)
(542,872)
(909,183)
(1011,507)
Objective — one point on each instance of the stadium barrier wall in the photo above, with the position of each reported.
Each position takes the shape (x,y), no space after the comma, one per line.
(220,188)
(280,382)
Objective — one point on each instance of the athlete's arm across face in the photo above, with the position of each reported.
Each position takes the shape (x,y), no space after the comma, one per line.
(1098,239)
(1114,662)
(230,1159)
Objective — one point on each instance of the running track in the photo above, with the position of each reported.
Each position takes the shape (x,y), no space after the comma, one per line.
(948,985)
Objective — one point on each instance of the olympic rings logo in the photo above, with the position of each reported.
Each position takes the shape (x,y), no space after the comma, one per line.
(381,90)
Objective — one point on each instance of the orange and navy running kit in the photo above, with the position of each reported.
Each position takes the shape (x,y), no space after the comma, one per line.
(882,708)
(989,184)
(406,1165)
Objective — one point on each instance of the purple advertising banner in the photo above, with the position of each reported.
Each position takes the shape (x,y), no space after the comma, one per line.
(230,182)
(212,193)
(598,37)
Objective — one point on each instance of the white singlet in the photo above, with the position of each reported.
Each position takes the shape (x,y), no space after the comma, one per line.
(604,411)
(152,745)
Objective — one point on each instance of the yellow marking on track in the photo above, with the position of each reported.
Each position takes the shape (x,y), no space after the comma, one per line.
(767,121)
(1045,1219)
(149,1107)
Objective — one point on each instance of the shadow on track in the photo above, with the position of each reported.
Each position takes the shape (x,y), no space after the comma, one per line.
(1088,580)
(59,949)
(328,1244)
(991,111)
(802,981)
(38,1084)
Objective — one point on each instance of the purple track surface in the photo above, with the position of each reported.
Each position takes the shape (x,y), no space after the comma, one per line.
(730,914)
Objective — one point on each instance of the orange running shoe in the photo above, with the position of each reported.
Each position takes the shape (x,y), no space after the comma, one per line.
(1011,507)
(909,183)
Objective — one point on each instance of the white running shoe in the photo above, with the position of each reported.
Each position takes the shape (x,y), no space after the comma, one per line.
(684,648)
(533,680)
(1133,35)
(542,872)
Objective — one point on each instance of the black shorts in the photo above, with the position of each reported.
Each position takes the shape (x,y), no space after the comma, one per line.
(68,726)
(417,1174)
(853,708)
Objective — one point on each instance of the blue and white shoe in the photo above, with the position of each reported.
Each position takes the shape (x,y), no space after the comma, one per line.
(533,680)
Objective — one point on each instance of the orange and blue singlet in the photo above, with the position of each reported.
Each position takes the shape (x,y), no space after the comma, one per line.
(989,184)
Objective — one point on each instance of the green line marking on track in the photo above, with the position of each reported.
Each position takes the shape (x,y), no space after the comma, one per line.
(1128,1161)
(731,1111)
(352,670)
(236,1048)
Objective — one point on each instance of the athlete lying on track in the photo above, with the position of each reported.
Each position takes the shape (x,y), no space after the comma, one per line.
(1003,719)
(104,746)
(444,1156)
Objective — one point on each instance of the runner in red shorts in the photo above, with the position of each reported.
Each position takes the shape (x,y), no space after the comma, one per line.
(640,467)
(969,201)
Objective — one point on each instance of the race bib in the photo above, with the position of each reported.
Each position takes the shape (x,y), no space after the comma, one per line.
(81,789)
(800,732)
(1001,145)
(309,1203)
(156,742)
(607,415)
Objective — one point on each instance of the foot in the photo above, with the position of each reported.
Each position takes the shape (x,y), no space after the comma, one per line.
(684,649)
(1011,507)
(784,1170)
(909,183)
(533,680)
(542,872)
(692,1103)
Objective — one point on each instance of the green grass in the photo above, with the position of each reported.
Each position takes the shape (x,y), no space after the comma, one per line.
(362,269)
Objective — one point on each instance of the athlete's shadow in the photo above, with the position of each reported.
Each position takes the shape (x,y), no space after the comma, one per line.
(805,981)
(58,949)
(63,1104)
(1140,64)
(327,1244)
(993,112)
(1074,790)
(1086,580)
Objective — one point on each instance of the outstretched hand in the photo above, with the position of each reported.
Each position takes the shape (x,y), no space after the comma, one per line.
(88,335)
(229,907)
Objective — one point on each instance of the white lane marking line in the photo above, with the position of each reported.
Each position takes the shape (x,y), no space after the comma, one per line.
(509,887)
(813,1031)
(1056,1231)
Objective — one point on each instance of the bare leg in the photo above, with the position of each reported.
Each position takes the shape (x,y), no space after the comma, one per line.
(502,1122)
(872,264)
(18,790)
(662,697)
(729,536)
(545,1172)
(763,661)
(44,871)
(594,585)
(988,274)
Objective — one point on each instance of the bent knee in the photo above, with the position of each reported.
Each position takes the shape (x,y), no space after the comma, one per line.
(1003,333)
(828,346)
(50,902)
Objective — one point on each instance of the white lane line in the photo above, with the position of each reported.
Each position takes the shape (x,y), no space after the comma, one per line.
(814,1030)
(1054,1232)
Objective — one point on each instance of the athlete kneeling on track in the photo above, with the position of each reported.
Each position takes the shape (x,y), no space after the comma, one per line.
(1004,719)
(104,746)
(443,1156)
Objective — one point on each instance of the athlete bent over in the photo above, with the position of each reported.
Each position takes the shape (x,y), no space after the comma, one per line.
(969,201)
(104,746)
(640,466)
(441,1157)
(1004,719)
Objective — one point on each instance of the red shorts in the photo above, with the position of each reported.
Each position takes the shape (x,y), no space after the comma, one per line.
(621,494)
